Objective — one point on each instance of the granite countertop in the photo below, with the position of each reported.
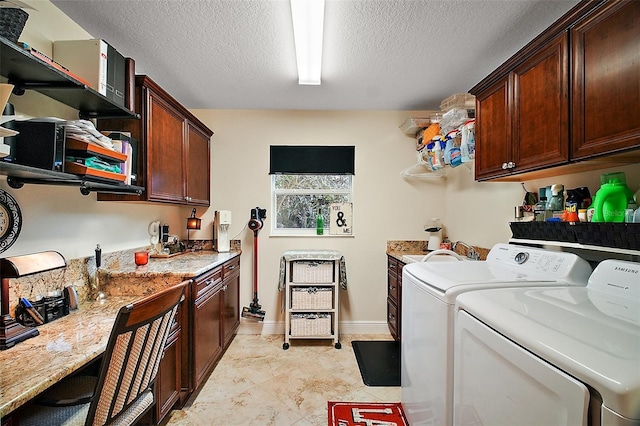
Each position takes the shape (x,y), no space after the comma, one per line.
(399,248)
(71,342)
(62,347)
(122,277)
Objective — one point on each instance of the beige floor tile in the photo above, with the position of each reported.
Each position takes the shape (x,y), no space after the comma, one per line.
(258,383)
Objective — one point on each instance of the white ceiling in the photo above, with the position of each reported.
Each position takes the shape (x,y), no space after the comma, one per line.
(378,54)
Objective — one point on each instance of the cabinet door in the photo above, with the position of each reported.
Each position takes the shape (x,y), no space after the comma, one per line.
(394,296)
(231,307)
(165,168)
(541,108)
(392,279)
(393,320)
(493,131)
(198,158)
(207,339)
(606,80)
(168,384)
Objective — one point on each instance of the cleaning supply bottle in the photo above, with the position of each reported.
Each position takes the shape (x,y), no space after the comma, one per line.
(447,150)
(319,223)
(591,209)
(611,199)
(468,142)
(556,202)
(571,205)
(541,206)
(438,154)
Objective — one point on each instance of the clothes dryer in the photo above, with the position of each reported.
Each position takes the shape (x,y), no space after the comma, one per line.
(552,356)
(429,291)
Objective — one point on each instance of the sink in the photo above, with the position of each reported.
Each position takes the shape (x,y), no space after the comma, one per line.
(413,258)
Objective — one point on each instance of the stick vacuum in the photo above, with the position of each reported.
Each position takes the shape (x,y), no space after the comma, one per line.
(255,224)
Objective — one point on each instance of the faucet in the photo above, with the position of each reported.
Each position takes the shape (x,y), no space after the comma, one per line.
(471,252)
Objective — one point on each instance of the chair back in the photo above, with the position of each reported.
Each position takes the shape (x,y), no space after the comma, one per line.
(130,362)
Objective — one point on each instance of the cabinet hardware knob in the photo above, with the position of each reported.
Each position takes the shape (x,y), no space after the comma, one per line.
(511,165)
(504,166)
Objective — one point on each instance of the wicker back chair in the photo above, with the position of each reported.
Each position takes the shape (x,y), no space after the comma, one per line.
(122,392)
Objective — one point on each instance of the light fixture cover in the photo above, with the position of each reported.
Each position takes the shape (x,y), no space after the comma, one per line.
(193,222)
(308,25)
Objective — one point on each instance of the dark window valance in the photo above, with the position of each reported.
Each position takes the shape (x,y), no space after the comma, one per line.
(312,160)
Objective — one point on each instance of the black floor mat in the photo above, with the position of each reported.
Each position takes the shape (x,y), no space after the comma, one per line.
(379,361)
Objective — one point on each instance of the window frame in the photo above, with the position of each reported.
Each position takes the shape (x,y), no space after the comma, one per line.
(305,232)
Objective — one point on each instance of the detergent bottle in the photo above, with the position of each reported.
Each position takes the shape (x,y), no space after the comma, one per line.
(611,199)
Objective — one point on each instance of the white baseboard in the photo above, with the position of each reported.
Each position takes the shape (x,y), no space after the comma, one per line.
(248,326)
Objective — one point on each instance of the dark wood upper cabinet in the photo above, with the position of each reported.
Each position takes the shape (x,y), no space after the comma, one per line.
(173,152)
(569,96)
(606,80)
(165,141)
(493,130)
(541,107)
(197,171)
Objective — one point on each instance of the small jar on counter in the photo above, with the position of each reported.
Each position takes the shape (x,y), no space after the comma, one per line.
(582,215)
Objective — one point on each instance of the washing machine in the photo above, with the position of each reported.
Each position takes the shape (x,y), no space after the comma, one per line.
(429,291)
(551,356)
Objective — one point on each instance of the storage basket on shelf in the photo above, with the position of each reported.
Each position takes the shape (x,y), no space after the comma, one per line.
(12,22)
(547,231)
(310,325)
(616,235)
(311,298)
(317,271)
(312,281)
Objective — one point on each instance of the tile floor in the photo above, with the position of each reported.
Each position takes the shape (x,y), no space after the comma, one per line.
(258,383)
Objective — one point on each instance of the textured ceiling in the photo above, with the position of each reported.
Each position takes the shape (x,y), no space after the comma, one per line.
(377,55)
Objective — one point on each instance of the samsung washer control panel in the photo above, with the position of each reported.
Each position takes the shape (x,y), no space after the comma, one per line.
(553,264)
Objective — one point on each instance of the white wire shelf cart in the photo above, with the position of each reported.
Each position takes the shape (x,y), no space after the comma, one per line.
(312,279)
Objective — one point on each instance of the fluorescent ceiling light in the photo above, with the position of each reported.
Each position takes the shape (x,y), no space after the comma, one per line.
(308,23)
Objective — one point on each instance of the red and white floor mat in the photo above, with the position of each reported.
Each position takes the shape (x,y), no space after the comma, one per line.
(366,414)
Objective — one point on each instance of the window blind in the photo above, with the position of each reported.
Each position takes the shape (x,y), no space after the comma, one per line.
(311,160)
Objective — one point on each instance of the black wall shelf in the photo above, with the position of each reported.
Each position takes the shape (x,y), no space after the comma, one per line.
(27,72)
(19,175)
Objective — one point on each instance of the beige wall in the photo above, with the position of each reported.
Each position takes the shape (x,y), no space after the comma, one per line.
(60,218)
(386,205)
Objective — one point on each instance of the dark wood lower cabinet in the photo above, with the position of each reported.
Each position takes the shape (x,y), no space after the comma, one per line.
(207,337)
(168,382)
(207,321)
(394,296)
(230,301)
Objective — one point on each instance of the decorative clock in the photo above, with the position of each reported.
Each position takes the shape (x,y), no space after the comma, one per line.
(10,220)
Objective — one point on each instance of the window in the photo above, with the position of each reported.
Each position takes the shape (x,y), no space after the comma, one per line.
(306,180)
